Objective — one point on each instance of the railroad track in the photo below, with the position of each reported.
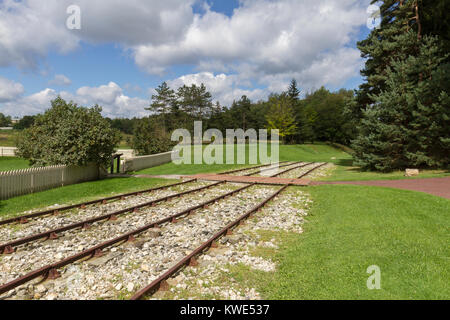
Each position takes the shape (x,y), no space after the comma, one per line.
(51,271)
(23,219)
(53,234)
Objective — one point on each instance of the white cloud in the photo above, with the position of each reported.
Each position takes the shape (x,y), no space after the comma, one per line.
(224,88)
(110,97)
(9,90)
(29,29)
(270,37)
(60,80)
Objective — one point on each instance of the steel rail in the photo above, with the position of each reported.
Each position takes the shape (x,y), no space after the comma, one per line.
(248,168)
(8,248)
(24,218)
(160,282)
(313,169)
(268,169)
(51,271)
(190,259)
(290,169)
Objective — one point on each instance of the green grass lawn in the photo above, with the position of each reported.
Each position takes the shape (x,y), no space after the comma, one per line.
(311,153)
(76,193)
(350,228)
(12,163)
(351,173)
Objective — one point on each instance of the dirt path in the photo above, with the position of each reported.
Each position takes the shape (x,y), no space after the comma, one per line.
(436,186)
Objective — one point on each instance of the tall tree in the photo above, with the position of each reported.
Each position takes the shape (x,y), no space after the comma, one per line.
(281,116)
(293,91)
(403,103)
(163,102)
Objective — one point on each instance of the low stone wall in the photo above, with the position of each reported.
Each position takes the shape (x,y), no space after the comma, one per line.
(8,151)
(144,162)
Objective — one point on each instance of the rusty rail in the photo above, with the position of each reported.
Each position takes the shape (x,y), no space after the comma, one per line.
(313,169)
(24,218)
(206,245)
(249,168)
(268,169)
(51,271)
(8,248)
(290,169)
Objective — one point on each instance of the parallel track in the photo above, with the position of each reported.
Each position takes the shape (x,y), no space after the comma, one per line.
(51,271)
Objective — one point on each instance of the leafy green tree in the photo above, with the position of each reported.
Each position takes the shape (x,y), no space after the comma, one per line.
(5,121)
(150,137)
(25,122)
(69,135)
(281,116)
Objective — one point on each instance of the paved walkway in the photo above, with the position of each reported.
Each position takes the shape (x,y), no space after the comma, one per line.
(436,186)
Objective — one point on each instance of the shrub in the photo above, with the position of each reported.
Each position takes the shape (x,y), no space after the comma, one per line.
(69,135)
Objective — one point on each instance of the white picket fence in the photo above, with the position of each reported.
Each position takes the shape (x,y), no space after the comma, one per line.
(19,182)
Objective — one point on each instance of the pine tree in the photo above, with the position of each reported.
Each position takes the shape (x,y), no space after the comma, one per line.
(163,102)
(293,91)
(409,125)
(402,104)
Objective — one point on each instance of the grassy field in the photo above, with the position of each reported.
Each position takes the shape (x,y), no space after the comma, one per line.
(350,228)
(76,193)
(7,138)
(12,163)
(312,153)
(350,173)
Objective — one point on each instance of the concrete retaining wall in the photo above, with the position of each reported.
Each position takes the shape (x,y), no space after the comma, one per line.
(144,162)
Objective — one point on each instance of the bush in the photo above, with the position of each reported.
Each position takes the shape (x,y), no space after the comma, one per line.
(69,135)
(151,138)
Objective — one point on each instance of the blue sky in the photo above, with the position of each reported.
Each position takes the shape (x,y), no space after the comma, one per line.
(123,52)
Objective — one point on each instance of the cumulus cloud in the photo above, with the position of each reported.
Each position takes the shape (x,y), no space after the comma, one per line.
(60,80)
(43,27)
(110,97)
(9,90)
(270,36)
(224,88)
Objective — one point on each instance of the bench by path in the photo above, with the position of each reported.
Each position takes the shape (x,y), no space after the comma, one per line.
(436,186)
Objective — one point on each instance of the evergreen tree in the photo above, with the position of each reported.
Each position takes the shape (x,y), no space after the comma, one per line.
(409,125)
(163,101)
(293,91)
(402,105)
